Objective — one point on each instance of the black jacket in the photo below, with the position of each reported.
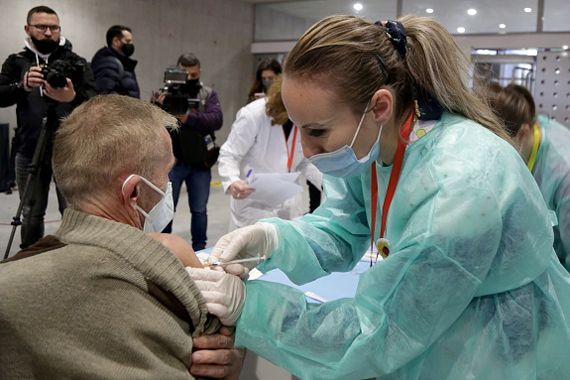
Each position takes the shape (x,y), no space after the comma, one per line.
(115,73)
(30,107)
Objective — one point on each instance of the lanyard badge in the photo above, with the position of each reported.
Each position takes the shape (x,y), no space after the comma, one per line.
(382,244)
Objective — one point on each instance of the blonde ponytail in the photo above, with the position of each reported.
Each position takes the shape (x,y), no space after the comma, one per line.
(438,64)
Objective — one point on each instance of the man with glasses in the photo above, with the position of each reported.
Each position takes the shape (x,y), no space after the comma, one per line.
(45,79)
(113,68)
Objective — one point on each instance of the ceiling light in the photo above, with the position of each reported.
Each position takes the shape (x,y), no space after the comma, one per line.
(528,10)
(429,10)
(357,7)
(461,30)
(564,47)
(472,12)
(502,26)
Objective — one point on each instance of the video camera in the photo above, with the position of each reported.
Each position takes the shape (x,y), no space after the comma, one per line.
(56,72)
(178,96)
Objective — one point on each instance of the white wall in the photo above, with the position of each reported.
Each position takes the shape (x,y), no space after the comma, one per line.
(219,32)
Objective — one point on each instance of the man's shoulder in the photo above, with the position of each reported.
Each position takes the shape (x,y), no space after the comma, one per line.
(206,89)
(65,53)
(102,53)
(22,56)
(208,93)
(105,56)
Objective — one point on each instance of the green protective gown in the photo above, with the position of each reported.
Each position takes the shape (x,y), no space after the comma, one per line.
(552,173)
(472,288)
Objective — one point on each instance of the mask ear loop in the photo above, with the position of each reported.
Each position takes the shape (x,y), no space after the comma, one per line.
(151,185)
(125,182)
(360,124)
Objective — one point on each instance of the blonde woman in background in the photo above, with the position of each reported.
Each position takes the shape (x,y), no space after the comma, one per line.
(414,163)
(263,140)
(544,145)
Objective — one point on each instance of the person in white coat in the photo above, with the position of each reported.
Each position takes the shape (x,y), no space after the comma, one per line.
(264,140)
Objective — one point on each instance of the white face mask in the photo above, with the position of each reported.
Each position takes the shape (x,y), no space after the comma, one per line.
(162,213)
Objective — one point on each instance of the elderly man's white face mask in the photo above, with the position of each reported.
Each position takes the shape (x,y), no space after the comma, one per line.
(162,213)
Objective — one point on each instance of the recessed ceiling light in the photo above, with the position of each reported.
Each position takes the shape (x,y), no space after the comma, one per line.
(357,7)
(472,12)
(461,30)
(429,10)
(528,10)
(564,47)
(502,26)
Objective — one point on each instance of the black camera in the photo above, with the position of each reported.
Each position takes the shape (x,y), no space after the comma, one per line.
(57,72)
(179,96)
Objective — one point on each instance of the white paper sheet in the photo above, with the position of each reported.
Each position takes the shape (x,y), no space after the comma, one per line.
(273,189)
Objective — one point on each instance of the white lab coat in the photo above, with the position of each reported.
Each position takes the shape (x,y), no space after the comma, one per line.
(255,143)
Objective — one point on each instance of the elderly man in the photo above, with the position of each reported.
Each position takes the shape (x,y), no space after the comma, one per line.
(100,298)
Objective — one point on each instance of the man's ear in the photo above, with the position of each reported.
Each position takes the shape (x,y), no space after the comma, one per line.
(129,191)
(381,105)
(116,41)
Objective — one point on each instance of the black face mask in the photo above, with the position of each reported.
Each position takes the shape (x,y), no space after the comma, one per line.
(45,46)
(128,49)
(192,83)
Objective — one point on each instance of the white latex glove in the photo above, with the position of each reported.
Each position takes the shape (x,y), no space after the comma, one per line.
(257,240)
(224,293)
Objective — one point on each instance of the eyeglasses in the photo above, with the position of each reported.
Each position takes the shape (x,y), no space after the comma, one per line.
(43,28)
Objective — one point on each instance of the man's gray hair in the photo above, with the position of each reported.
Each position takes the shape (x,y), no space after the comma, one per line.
(104,138)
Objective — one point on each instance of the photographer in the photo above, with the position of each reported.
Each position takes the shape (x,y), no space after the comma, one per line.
(193,143)
(46,79)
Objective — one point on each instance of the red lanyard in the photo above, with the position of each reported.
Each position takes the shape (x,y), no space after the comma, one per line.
(382,244)
(291,151)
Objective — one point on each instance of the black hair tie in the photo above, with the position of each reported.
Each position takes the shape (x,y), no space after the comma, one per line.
(429,107)
(397,34)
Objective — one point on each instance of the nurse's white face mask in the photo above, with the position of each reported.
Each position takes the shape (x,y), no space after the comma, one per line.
(162,213)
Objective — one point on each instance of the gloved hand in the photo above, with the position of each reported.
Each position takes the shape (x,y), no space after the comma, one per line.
(256,240)
(224,293)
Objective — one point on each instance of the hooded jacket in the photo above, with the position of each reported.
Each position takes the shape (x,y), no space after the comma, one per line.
(31,106)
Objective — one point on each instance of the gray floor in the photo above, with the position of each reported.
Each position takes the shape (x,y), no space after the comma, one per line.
(218,215)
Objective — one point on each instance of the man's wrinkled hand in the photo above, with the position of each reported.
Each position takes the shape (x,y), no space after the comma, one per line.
(216,357)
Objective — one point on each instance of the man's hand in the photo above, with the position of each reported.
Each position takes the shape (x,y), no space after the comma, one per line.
(33,78)
(158,97)
(61,95)
(182,118)
(215,356)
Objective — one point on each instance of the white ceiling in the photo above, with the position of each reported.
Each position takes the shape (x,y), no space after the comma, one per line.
(451,13)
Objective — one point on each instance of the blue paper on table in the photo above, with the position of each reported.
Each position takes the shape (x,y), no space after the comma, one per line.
(332,287)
